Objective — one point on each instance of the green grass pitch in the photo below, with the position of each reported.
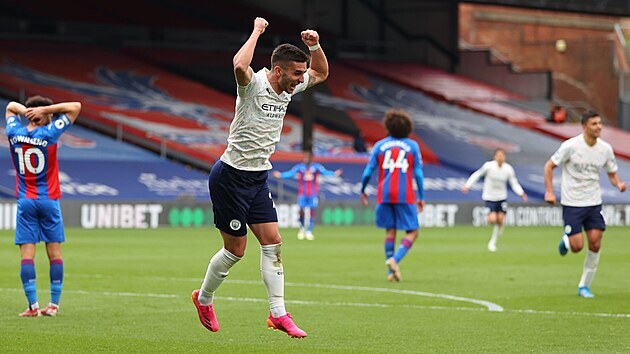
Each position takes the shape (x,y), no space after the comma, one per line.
(129,291)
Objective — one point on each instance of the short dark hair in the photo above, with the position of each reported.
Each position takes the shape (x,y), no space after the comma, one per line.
(398,123)
(588,115)
(286,53)
(38,101)
(497,150)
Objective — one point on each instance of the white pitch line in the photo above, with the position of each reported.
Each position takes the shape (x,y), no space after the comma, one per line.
(491,306)
(341,304)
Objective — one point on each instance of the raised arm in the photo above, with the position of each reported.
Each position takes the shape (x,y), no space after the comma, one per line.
(550,196)
(318,71)
(70,109)
(243,58)
(326,172)
(287,174)
(14,109)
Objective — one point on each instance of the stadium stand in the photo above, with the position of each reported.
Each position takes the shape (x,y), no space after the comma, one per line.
(619,139)
(460,139)
(144,104)
(483,98)
(165,112)
(454,139)
(465,92)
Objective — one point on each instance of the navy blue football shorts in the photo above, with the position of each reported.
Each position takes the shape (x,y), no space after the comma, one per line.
(496,207)
(239,198)
(575,218)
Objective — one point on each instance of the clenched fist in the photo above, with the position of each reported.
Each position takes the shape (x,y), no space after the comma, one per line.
(310,37)
(260,24)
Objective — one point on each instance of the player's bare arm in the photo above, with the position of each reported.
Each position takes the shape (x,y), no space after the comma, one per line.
(550,197)
(14,109)
(243,58)
(618,183)
(70,109)
(364,199)
(318,71)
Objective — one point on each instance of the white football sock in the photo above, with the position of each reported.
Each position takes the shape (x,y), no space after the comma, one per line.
(567,243)
(496,233)
(590,267)
(218,270)
(273,277)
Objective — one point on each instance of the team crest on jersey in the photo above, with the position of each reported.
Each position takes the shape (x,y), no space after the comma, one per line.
(235,224)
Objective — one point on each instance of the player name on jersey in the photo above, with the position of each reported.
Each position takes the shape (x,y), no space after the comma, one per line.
(28,140)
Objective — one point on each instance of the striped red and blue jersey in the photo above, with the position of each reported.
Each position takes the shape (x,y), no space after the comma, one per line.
(398,162)
(307,177)
(34,156)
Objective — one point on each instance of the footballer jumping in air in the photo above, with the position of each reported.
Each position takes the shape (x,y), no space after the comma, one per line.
(238,182)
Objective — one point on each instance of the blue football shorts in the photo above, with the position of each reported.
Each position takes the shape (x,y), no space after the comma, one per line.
(397,216)
(38,220)
(308,202)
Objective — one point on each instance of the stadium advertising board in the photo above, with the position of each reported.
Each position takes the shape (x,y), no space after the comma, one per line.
(199,214)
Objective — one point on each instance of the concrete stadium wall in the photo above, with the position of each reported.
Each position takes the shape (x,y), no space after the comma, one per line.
(477,64)
(199,214)
(527,38)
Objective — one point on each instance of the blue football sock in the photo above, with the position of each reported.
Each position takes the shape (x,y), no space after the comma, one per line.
(389,247)
(27,273)
(301,218)
(311,219)
(56,280)
(390,243)
(404,247)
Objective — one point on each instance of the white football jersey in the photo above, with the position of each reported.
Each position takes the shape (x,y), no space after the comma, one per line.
(257,123)
(495,181)
(581,169)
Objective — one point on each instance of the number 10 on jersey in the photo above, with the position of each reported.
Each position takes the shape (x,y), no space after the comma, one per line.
(25,163)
